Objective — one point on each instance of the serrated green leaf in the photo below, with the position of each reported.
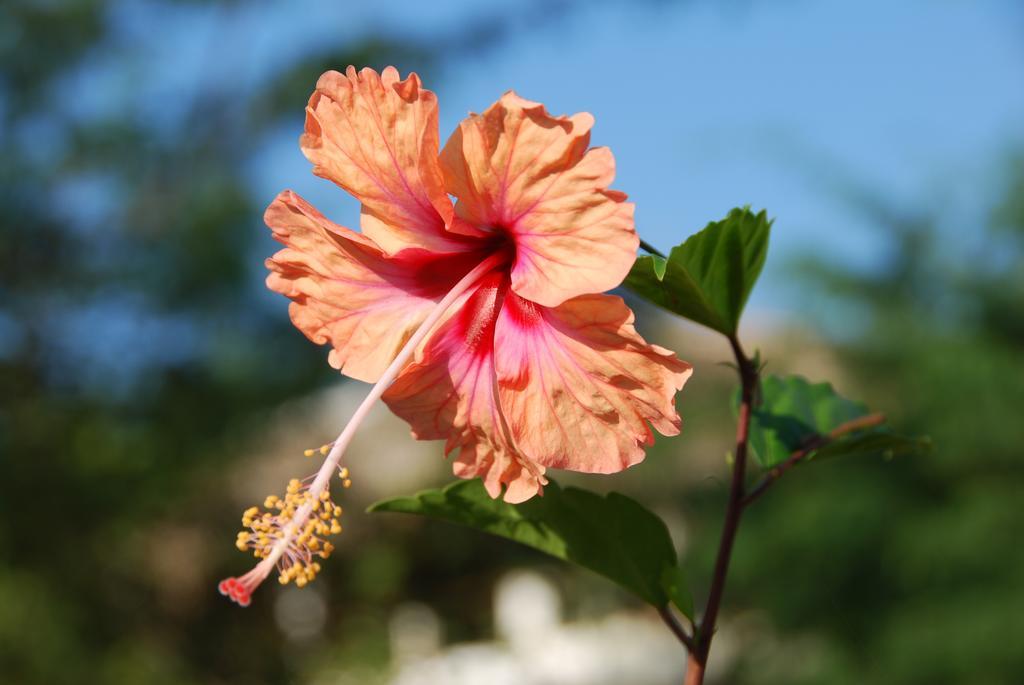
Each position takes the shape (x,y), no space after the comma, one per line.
(612,535)
(794,411)
(709,277)
(673,581)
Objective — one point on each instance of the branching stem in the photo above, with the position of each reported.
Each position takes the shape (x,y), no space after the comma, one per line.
(734,509)
(675,626)
(704,629)
(817,442)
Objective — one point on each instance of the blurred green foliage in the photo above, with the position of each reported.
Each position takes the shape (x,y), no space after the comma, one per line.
(137,345)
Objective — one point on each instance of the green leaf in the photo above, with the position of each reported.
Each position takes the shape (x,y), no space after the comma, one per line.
(876,441)
(708,278)
(793,412)
(673,581)
(612,535)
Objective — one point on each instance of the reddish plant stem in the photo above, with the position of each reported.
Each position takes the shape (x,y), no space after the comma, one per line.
(818,441)
(694,671)
(698,660)
(675,626)
(700,644)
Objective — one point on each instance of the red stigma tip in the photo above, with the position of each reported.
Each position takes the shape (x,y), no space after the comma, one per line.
(234,590)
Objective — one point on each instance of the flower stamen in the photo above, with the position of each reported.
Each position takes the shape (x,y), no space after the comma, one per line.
(284,539)
(303,543)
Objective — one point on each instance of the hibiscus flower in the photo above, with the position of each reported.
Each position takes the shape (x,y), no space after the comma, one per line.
(480,322)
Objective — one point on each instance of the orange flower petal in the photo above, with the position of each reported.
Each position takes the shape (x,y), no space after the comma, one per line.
(579,386)
(516,388)
(347,293)
(516,168)
(451,393)
(376,137)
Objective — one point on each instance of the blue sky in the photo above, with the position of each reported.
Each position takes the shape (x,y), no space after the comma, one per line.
(705,105)
(765,104)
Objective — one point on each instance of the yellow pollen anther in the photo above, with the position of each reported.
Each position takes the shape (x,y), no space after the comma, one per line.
(294,544)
